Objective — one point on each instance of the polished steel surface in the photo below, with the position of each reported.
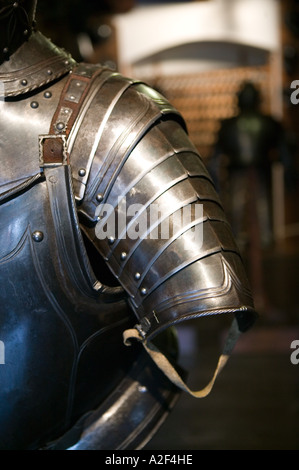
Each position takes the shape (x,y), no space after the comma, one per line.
(56,327)
(157,272)
(36,63)
(60,325)
(68,295)
(30,122)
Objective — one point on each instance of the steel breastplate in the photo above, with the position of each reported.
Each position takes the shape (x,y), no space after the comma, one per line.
(60,327)
(55,326)
(64,354)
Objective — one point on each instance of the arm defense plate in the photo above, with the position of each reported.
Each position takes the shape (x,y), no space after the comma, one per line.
(152,211)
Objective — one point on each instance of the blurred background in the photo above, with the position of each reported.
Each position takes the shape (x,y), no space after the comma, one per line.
(232,68)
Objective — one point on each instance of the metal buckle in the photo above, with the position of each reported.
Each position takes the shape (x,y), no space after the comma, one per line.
(53,150)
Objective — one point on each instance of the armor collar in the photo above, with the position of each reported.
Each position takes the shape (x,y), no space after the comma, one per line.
(36,63)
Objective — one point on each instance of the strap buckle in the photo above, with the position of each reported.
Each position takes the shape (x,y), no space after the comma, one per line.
(53,150)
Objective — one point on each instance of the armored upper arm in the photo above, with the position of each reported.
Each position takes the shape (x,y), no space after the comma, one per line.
(148,204)
(80,140)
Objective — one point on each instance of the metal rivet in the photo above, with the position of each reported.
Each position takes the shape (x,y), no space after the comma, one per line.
(137,276)
(38,236)
(26,32)
(15,5)
(53,179)
(34,104)
(145,323)
(24,82)
(82,172)
(49,72)
(111,240)
(143,291)
(5,50)
(47,94)
(99,197)
(60,126)
(123,255)
(142,389)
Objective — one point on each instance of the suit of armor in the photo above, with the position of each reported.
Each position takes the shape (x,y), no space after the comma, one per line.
(81,146)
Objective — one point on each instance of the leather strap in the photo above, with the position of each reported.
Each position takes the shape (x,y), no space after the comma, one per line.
(53,146)
(168,369)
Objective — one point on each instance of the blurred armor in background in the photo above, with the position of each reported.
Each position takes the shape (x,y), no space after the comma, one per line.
(247,147)
(84,148)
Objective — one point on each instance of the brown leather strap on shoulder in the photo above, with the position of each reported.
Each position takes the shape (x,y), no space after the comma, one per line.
(53,146)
